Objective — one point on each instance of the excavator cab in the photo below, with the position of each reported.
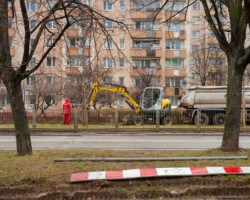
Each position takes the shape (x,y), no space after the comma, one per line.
(153,99)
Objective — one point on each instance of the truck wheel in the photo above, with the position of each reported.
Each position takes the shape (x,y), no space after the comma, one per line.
(138,120)
(219,119)
(204,120)
(166,121)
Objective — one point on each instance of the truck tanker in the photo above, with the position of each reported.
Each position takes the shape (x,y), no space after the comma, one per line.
(211,102)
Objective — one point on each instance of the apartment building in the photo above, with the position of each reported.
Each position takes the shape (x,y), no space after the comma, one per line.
(136,44)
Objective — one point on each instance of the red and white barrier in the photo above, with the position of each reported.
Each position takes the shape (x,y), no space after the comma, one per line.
(157,172)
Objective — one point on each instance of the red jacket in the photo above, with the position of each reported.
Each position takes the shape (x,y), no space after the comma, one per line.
(67,107)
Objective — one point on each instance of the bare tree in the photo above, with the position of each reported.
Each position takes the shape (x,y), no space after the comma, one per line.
(45,89)
(207,65)
(231,37)
(59,15)
(144,77)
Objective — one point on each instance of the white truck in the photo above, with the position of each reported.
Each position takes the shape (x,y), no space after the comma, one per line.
(211,102)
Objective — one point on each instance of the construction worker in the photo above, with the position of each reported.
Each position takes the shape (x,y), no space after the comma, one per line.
(66,112)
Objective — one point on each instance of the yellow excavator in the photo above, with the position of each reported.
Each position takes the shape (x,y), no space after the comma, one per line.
(152,101)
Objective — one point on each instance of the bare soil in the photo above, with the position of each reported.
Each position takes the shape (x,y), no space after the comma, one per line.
(207,187)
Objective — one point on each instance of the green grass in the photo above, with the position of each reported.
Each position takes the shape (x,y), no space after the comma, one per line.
(40,169)
(121,127)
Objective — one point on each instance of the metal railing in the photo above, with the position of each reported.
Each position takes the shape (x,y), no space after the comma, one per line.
(124,120)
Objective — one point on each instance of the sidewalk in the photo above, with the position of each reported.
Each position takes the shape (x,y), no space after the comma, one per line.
(131,133)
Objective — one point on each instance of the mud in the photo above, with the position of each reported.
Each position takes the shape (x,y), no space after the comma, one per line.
(217,187)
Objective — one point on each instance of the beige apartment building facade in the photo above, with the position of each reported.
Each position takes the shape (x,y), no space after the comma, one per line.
(139,43)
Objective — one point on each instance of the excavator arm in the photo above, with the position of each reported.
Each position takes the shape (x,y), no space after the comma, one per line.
(117,89)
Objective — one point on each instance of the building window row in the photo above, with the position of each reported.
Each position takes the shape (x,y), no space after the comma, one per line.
(175,63)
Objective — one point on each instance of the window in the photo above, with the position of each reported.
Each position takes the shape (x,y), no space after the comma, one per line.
(10,42)
(108,44)
(121,80)
(196,6)
(122,44)
(151,44)
(195,76)
(107,5)
(72,79)
(136,81)
(107,62)
(31,99)
(174,44)
(196,20)
(9,22)
(121,25)
(174,81)
(75,42)
(211,34)
(195,48)
(31,80)
(108,24)
(50,4)
(9,4)
(122,5)
(216,61)
(175,63)
(50,80)
(146,25)
(74,61)
(32,24)
(195,34)
(120,102)
(31,5)
(175,6)
(173,100)
(121,62)
(214,47)
(51,62)
(50,100)
(51,24)
(32,62)
(147,5)
(146,63)
(107,79)
(49,42)
(75,25)
(175,26)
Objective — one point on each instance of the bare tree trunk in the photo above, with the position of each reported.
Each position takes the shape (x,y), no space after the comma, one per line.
(233,113)
(23,140)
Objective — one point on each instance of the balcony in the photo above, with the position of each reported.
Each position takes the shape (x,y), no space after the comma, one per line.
(175,72)
(150,71)
(146,34)
(12,51)
(139,14)
(149,53)
(172,15)
(78,51)
(173,91)
(11,32)
(175,53)
(178,34)
(72,70)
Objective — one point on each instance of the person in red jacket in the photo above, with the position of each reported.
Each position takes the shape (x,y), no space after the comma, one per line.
(66,112)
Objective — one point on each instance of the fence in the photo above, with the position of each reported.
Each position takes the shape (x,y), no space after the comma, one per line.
(123,120)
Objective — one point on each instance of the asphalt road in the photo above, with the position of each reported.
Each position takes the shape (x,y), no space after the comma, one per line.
(123,142)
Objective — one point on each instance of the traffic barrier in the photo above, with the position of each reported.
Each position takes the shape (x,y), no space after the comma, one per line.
(156,172)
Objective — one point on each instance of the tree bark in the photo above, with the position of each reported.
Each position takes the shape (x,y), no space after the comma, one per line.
(23,141)
(233,112)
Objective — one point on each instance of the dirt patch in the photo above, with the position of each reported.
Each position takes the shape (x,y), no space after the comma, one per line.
(210,187)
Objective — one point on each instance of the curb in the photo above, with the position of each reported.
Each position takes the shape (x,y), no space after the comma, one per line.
(123,133)
(157,172)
